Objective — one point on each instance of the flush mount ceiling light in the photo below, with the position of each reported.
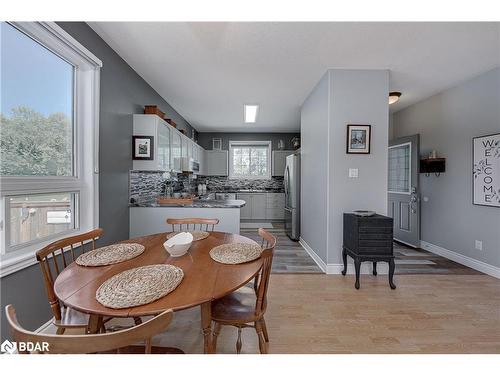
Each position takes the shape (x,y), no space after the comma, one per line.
(394,97)
(251,111)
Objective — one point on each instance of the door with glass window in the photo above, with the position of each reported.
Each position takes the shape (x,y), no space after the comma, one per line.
(403,189)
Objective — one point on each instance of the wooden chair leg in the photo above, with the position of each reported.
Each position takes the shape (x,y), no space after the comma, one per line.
(60,330)
(217,329)
(238,342)
(264,330)
(147,349)
(260,335)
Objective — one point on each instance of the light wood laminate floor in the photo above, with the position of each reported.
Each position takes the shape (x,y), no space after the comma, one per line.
(324,314)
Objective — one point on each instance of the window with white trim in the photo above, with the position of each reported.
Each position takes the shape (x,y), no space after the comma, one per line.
(250,160)
(48,139)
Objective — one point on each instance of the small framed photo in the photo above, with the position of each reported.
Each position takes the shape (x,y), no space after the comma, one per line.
(142,147)
(358,139)
(216,143)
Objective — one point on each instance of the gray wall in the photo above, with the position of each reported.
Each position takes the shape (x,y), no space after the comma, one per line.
(357,97)
(123,92)
(205,139)
(342,97)
(447,122)
(315,168)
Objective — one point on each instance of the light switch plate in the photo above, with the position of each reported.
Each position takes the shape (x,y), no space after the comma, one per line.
(353,172)
(479,245)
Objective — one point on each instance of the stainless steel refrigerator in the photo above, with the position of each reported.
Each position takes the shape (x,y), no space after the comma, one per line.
(292,196)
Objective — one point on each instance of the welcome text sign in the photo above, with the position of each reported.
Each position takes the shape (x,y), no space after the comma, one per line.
(486,170)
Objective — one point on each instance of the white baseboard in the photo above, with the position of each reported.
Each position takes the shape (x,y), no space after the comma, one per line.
(313,255)
(336,269)
(462,259)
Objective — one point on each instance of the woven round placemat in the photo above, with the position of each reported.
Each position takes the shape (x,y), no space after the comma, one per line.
(197,234)
(235,253)
(139,286)
(111,254)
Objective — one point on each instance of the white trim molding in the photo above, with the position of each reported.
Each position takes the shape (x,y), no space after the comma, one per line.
(313,255)
(336,268)
(462,259)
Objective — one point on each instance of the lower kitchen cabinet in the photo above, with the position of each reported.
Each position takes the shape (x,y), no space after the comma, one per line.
(246,211)
(261,206)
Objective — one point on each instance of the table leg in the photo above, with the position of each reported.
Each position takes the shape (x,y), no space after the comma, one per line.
(206,326)
(344,259)
(94,325)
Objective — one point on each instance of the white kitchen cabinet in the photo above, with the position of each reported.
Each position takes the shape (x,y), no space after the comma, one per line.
(169,145)
(202,161)
(176,151)
(259,206)
(279,162)
(246,211)
(217,162)
(149,125)
(184,147)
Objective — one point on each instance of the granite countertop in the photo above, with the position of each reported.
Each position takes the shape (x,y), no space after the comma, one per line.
(248,191)
(206,203)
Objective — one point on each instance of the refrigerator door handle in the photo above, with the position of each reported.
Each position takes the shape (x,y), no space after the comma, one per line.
(285,180)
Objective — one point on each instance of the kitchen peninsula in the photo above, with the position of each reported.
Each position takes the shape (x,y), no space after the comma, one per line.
(149,217)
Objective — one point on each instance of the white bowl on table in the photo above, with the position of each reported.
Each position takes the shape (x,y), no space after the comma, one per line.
(179,244)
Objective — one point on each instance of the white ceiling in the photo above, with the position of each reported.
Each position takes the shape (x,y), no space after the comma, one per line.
(207,71)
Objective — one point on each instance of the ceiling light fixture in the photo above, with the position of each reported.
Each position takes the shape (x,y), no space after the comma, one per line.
(251,111)
(394,97)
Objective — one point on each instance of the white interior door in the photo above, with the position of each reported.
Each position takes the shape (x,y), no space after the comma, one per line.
(403,189)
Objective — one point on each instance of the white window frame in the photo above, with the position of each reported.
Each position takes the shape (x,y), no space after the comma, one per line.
(85,179)
(250,144)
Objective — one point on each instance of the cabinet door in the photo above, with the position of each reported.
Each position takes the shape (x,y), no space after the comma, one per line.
(246,211)
(163,149)
(175,152)
(259,206)
(217,163)
(184,147)
(279,162)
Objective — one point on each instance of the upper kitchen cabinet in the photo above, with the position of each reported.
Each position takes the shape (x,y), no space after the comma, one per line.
(217,162)
(279,162)
(176,151)
(150,125)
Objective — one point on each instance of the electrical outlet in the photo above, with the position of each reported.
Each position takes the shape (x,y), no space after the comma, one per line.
(353,172)
(479,245)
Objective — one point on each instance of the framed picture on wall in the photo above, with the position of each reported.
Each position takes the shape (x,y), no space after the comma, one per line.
(358,139)
(142,147)
(486,170)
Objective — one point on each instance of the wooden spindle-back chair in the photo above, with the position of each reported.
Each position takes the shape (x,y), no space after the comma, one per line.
(82,344)
(242,309)
(54,258)
(194,223)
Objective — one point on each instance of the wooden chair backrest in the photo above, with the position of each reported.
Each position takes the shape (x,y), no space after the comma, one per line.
(52,260)
(268,244)
(82,344)
(194,223)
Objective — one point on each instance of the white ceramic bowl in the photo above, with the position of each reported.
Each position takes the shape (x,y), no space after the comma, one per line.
(179,244)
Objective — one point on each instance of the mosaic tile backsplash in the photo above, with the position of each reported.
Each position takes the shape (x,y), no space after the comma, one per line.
(144,186)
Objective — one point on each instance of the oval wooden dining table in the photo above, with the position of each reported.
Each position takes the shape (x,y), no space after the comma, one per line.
(204,280)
